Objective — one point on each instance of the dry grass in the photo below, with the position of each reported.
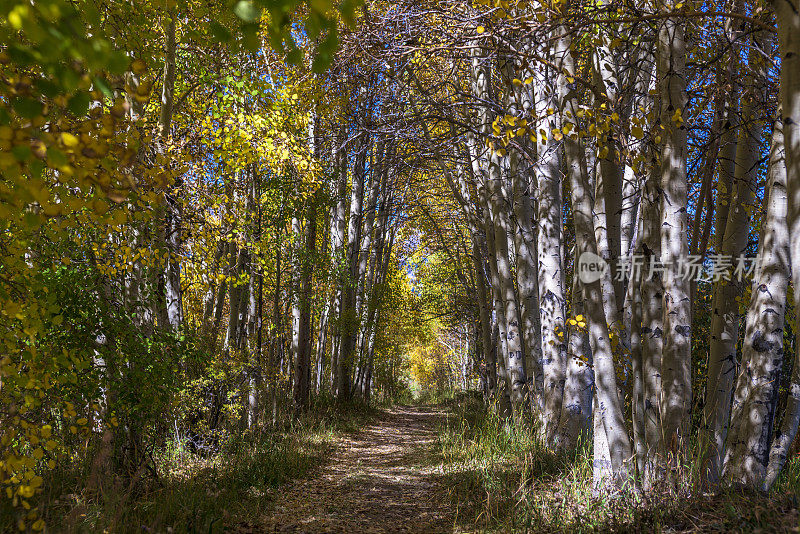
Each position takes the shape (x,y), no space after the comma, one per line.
(505,479)
(192,493)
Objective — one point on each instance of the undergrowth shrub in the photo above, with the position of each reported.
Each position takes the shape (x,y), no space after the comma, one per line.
(186,491)
(501,474)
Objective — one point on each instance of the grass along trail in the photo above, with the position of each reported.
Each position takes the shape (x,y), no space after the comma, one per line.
(381,479)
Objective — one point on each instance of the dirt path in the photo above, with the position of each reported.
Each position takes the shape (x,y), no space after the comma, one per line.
(381,479)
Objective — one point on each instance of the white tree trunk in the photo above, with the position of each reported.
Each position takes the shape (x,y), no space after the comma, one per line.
(550,237)
(753,411)
(676,366)
(608,405)
(788,17)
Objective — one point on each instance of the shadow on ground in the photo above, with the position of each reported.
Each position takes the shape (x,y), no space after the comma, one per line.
(381,479)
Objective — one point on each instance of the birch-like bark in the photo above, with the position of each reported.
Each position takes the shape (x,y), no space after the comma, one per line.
(651,289)
(366,262)
(522,228)
(788,17)
(727,293)
(239,258)
(515,365)
(484,304)
(296,348)
(487,190)
(608,403)
(608,191)
(549,244)
(608,406)
(303,363)
(173,310)
(676,365)
(730,239)
(338,252)
(634,329)
(462,187)
(576,411)
(630,211)
(323,324)
(503,376)
(498,209)
(727,156)
(753,411)
(302,375)
(211,295)
(348,317)
(466,192)
(784,437)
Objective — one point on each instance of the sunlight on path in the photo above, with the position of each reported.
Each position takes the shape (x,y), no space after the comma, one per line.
(381,479)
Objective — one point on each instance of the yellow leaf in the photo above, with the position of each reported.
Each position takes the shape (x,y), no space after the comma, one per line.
(69,140)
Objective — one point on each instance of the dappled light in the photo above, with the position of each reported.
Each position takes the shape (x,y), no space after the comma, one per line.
(412,266)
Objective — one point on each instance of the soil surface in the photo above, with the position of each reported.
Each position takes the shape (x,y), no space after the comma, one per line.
(383,478)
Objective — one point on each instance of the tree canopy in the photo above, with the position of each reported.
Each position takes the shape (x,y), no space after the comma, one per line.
(215,216)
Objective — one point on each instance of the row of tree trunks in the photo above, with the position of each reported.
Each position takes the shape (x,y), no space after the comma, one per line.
(724,308)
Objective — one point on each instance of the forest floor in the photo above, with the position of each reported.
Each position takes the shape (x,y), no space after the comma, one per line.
(430,469)
(384,478)
(452,467)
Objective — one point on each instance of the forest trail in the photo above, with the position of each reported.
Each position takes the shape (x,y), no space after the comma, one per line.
(380,479)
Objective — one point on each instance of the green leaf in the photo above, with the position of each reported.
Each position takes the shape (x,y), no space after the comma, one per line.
(79,103)
(36,168)
(47,88)
(56,157)
(21,152)
(20,55)
(101,84)
(118,63)
(27,107)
